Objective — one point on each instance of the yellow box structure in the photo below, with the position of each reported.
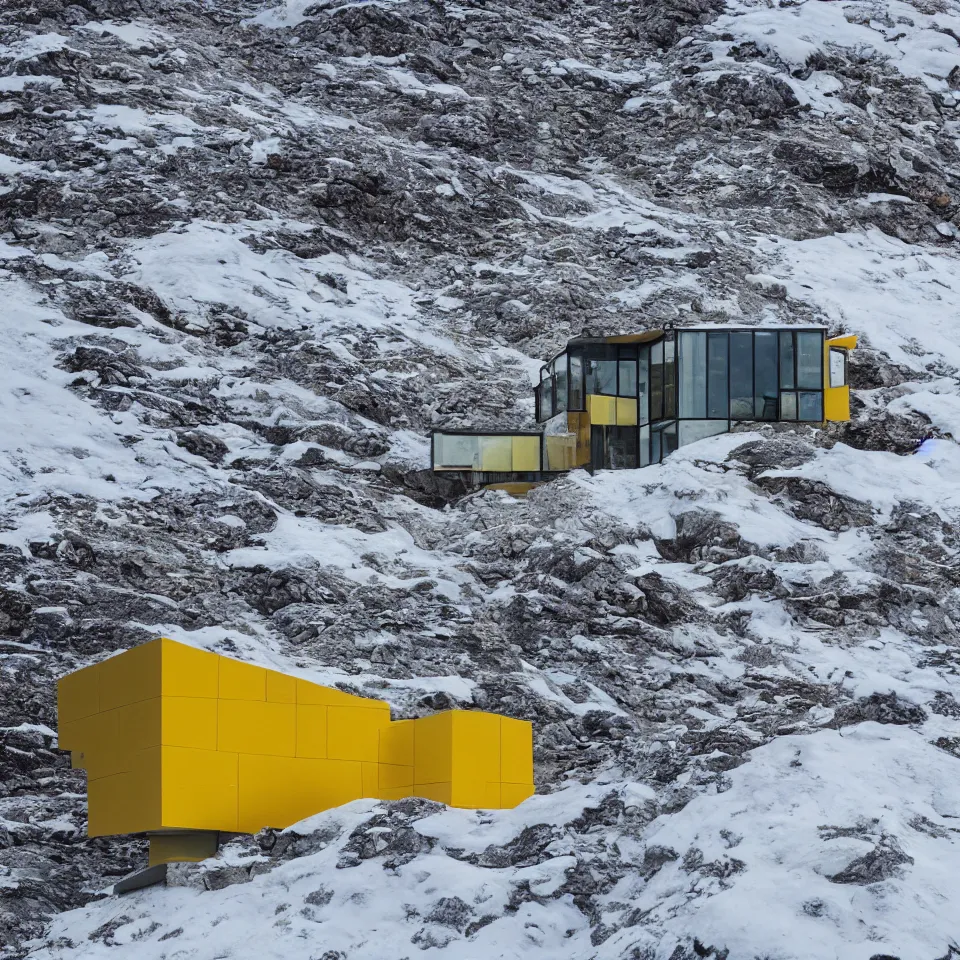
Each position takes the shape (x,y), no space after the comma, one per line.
(175,739)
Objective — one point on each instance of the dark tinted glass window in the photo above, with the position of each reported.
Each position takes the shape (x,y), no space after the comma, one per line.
(560,365)
(693,375)
(656,382)
(546,399)
(669,379)
(787,380)
(602,377)
(809,361)
(765,376)
(669,442)
(643,386)
(576,384)
(811,406)
(741,376)
(622,447)
(628,378)
(717,379)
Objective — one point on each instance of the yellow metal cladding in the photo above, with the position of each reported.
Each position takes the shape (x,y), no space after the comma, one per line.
(836,399)
(626,412)
(602,411)
(176,739)
(526,454)
(561,451)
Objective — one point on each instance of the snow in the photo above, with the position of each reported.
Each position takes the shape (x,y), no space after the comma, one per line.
(915,43)
(205,263)
(133,34)
(54,441)
(902,298)
(783,820)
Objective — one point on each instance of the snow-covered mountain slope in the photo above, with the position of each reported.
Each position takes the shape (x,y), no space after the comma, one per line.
(252,252)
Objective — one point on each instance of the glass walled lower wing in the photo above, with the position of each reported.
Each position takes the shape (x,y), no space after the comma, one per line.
(489,452)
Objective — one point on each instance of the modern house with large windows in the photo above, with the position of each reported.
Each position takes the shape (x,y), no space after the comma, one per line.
(629,401)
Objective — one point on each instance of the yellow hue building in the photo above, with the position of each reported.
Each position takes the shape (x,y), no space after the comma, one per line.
(183,744)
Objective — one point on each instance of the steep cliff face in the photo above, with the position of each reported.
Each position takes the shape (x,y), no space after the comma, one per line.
(252,253)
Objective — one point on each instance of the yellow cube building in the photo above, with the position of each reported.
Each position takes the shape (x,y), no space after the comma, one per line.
(183,744)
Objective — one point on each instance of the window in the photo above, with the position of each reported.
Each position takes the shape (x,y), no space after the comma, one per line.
(809,361)
(602,377)
(787,379)
(717,404)
(838,367)
(643,386)
(765,376)
(788,406)
(693,375)
(560,366)
(692,430)
(656,381)
(576,383)
(811,406)
(456,451)
(546,395)
(627,385)
(669,379)
(644,446)
(741,376)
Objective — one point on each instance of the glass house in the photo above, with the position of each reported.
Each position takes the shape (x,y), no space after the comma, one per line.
(629,401)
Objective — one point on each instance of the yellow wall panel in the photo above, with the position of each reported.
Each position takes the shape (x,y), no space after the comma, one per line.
(308,787)
(370,777)
(396,743)
(476,747)
(394,775)
(561,450)
(189,671)
(846,343)
(602,410)
(131,676)
(526,453)
(199,789)
(482,795)
(836,404)
(281,688)
(139,725)
(328,696)
(433,791)
(242,681)
(311,730)
(353,733)
(626,412)
(189,722)
(516,750)
(78,694)
(95,743)
(251,726)
(512,794)
(127,802)
(433,748)
(108,800)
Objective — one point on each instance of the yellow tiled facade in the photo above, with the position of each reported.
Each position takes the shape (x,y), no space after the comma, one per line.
(176,738)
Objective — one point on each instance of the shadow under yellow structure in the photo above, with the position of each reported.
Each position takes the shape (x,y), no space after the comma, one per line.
(184,744)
